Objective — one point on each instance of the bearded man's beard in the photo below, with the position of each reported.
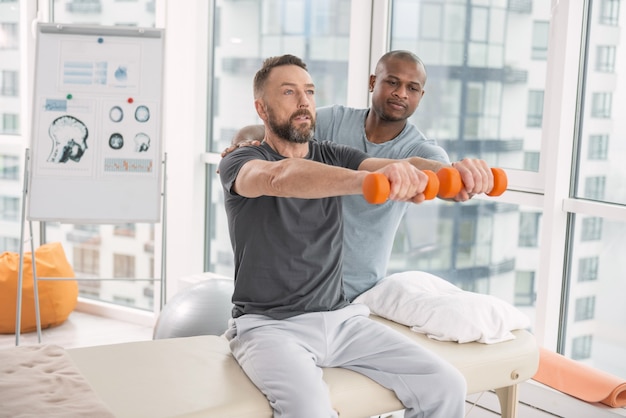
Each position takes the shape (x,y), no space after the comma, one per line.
(299,133)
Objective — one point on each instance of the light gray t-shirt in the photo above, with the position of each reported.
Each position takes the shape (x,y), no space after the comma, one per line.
(287,250)
(369,230)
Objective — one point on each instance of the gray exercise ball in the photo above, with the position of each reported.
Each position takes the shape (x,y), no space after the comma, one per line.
(201,309)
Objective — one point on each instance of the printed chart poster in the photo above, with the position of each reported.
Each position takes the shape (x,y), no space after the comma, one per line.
(96,149)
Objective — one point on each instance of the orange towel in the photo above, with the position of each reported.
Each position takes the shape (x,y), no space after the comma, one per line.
(579,380)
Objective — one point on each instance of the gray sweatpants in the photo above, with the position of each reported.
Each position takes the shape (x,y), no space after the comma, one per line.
(283,358)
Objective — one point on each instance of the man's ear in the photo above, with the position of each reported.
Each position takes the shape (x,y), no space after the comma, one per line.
(372,82)
(260,109)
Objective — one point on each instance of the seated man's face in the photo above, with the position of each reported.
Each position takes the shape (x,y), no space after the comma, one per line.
(290,103)
(69,139)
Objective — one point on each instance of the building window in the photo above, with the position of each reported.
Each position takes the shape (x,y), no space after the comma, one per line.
(9,167)
(95,229)
(9,36)
(86,261)
(10,123)
(431,23)
(479,24)
(467,247)
(598,147)
(605,59)
(541,31)
(592,229)
(90,288)
(581,347)
(534,115)
(123,266)
(474,109)
(528,229)
(609,12)
(305,29)
(124,300)
(594,187)
(9,208)
(84,6)
(124,230)
(9,244)
(588,269)
(524,288)
(601,105)
(9,84)
(585,308)
(531,161)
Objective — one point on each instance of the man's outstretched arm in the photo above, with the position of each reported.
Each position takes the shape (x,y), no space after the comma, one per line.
(476,175)
(305,179)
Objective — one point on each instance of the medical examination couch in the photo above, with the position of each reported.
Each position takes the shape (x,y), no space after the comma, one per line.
(188,371)
(198,377)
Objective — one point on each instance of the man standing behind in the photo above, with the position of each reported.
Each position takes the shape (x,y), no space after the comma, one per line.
(290,315)
(382,131)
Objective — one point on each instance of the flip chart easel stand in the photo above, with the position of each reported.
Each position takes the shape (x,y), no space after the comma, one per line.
(97,104)
(18,313)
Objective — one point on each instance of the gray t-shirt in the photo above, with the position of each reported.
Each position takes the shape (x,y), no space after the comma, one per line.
(287,251)
(369,230)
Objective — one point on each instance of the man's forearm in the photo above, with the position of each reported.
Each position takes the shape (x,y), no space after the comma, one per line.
(373,164)
(297,178)
(426,164)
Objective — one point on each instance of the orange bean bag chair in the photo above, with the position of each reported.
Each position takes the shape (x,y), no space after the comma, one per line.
(57,298)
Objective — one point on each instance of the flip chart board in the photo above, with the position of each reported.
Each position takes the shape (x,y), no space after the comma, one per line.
(96,148)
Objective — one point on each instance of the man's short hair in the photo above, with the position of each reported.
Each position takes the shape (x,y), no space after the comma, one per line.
(270,63)
(398,54)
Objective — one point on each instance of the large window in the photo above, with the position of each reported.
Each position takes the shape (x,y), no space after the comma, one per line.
(476,95)
(593,331)
(11,148)
(512,133)
(316,31)
(484,99)
(503,85)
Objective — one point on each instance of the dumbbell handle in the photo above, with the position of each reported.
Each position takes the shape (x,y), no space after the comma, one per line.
(376,187)
(450,183)
(445,184)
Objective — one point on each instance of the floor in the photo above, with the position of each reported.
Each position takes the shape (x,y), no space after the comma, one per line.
(536,401)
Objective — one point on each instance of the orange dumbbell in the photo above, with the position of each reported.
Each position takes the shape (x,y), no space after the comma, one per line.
(450,183)
(376,187)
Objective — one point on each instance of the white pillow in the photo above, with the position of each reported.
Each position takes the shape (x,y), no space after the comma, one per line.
(435,307)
